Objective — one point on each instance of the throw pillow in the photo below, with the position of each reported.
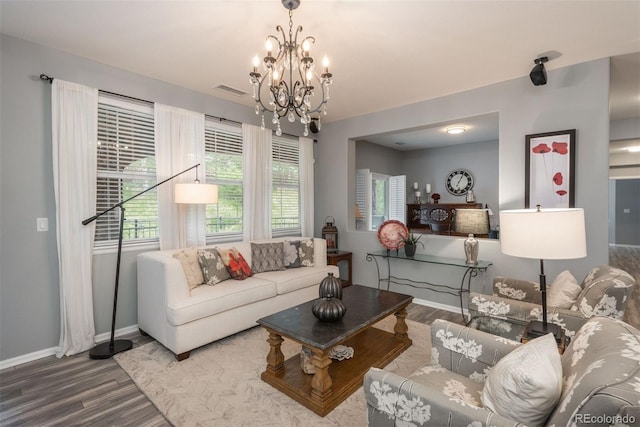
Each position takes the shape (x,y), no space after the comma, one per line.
(305,252)
(291,257)
(267,257)
(213,269)
(563,291)
(525,385)
(189,260)
(236,264)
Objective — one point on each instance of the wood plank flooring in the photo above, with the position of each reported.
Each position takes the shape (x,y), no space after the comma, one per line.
(77,390)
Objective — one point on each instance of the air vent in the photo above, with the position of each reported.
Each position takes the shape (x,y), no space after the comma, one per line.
(230,90)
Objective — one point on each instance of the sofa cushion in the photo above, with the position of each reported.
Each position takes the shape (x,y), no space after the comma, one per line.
(192,270)
(564,290)
(293,279)
(525,385)
(213,269)
(206,301)
(291,254)
(235,263)
(267,257)
(459,388)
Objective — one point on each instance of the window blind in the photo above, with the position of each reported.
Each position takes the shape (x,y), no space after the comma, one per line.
(125,167)
(285,206)
(223,167)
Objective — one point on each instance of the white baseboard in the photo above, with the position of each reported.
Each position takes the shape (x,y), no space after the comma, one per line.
(446,307)
(40,354)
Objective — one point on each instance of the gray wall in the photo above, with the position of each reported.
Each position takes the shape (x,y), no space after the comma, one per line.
(575,97)
(29,288)
(627,211)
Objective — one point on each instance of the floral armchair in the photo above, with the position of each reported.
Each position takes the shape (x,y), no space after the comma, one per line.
(599,377)
(604,292)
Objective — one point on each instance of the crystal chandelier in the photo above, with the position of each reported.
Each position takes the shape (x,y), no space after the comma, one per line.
(287,86)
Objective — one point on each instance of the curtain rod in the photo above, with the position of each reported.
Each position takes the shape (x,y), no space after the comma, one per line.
(45,77)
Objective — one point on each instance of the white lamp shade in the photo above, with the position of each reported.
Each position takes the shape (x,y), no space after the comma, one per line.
(195,193)
(544,233)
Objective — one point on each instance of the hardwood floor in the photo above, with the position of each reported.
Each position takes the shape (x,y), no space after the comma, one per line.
(77,390)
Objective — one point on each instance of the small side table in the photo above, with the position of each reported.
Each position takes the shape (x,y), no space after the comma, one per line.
(335,258)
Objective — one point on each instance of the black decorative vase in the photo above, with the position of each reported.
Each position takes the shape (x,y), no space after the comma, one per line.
(410,250)
(330,286)
(328,309)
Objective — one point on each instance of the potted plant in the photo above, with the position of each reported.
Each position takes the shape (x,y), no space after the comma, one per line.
(410,243)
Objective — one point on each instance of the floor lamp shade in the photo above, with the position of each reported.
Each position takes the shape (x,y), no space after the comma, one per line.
(195,193)
(543,233)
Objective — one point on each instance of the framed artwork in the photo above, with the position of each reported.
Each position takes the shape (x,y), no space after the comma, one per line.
(550,169)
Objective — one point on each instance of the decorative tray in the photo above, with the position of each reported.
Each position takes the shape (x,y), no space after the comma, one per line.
(392,233)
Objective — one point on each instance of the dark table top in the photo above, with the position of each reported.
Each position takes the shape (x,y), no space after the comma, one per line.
(365,306)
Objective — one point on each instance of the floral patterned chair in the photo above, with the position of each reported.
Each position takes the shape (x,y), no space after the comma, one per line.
(598,375)
(604,292)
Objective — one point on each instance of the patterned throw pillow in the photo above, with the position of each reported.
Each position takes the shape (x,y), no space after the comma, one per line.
(189,260)
(236,264)
(305,252)
(291,257)
(213,269)
(267,257)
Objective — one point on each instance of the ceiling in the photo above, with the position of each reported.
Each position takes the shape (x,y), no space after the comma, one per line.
(383,54)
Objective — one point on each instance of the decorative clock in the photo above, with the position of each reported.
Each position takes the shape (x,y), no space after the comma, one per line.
(459,182)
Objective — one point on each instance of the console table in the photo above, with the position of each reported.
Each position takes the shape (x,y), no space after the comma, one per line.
(465,283)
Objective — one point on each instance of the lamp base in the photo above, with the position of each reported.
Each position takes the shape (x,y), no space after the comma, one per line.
(536,329)
(106,350)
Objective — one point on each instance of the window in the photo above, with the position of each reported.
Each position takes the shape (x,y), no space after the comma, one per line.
(380,197)
(285,199)
(223,167)
(126,166)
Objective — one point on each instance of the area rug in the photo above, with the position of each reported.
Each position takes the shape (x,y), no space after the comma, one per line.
(220,385)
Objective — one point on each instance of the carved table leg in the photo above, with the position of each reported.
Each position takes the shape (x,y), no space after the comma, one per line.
(321,382)
(401,327)
(275,358)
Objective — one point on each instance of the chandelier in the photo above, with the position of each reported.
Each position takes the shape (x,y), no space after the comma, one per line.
(290,78)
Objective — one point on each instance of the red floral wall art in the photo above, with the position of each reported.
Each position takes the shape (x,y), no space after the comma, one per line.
(550,169)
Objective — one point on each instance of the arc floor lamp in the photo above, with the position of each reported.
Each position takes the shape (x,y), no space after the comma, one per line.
(194,193)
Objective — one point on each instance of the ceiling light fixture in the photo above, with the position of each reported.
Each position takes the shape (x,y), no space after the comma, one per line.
(289,78)
(454,130)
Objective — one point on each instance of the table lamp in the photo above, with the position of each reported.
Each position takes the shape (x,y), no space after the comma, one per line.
(473,222)
(543,234)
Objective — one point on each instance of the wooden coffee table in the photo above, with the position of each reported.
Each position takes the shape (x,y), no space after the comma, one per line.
(334,381)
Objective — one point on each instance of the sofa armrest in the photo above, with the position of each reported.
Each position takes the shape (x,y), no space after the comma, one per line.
(394,400)
(161,281)
(521,312)
(516,289)
(467,351)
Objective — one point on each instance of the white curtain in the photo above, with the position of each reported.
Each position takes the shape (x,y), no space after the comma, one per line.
(256,164)
(179,144)
(74,129)
(306,186)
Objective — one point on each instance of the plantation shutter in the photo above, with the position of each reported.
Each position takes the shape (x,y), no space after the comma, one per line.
(363,195)
(397,197)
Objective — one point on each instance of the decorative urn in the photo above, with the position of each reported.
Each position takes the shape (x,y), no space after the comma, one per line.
(328,309)
(330,286)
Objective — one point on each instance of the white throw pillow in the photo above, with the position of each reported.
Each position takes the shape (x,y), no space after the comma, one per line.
(525,385)
(564,291)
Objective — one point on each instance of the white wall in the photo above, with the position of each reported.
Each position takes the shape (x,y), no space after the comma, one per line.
(574,98)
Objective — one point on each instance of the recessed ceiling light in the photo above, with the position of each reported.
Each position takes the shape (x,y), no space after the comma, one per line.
(454,130)
(635,149)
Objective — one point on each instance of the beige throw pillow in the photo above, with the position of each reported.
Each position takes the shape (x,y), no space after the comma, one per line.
(192,271)
(525,385)
(563,291)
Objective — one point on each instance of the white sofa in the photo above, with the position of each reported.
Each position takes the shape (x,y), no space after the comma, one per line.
(183,320)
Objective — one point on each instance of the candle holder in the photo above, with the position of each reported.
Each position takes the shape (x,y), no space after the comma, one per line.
(418,195)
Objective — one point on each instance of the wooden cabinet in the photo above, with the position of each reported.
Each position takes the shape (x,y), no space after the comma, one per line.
(436,218)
